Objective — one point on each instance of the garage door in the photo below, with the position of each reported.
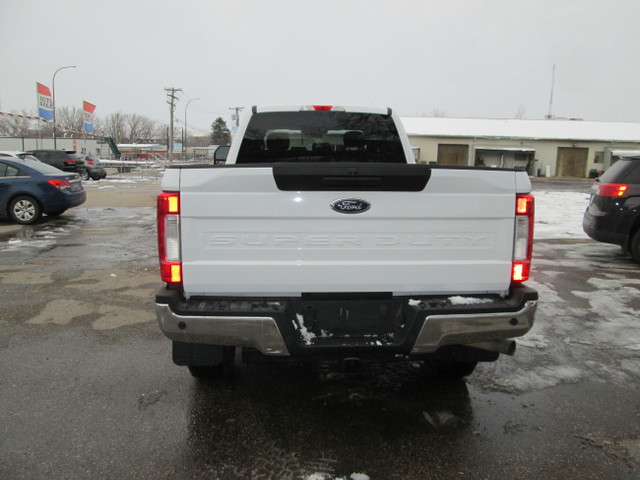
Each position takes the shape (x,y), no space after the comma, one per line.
(453,155)
(572,162)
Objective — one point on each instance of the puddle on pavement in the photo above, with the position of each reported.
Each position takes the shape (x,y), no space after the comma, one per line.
(47,228)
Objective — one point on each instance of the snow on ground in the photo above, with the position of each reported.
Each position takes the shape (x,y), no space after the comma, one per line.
(112,183)
(578,328)
(559,214)
(324,476)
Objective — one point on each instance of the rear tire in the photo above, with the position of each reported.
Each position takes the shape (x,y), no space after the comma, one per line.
(25,210)
(634,246)
(449,369)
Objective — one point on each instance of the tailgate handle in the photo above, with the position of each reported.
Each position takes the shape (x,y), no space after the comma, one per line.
(382,177)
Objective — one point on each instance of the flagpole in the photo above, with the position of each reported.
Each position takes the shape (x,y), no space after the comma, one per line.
(84,127)
(39,118)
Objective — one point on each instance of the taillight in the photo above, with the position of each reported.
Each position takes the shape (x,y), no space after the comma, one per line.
(612,189)
(169,237)
(90,162)
(523,238)
(60,184)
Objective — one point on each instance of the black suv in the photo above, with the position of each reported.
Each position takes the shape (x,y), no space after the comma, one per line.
(613,214)
(65,160)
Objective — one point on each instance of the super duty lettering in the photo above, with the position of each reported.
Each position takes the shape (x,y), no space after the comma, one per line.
(217,240)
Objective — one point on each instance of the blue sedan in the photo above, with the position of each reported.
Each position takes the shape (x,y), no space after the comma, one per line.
(29,188)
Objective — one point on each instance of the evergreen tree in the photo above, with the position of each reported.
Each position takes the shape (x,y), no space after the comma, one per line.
(220,135)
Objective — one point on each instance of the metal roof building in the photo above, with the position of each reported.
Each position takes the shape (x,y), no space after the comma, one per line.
(572,148)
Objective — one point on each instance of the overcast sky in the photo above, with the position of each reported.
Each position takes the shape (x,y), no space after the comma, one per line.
(462,58)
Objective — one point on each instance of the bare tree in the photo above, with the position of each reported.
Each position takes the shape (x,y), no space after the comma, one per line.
(98,125)
(70,118)
(15,124)
(436,112)
(149,128)
(521,112)
(140,128)
(132,124)
(123,127)
(128,127)
(161,133)
(114,125)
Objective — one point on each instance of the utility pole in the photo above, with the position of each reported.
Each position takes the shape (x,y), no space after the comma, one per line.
(553,81)
(171,98)
(236,117)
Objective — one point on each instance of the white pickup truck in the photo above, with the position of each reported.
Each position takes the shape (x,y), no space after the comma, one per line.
(321,240)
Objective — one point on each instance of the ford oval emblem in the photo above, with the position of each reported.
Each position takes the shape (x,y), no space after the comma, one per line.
(350,205)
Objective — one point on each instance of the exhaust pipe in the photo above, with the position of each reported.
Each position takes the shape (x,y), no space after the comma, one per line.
(506,346)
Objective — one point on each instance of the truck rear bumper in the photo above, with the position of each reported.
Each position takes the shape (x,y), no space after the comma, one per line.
(298,328)
(471,329)
(261,333)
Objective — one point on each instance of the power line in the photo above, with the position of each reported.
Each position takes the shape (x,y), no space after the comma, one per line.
(191,126)
(211,112)
(202,109)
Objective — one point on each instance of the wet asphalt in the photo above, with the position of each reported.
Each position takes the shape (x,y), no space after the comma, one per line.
(88,389)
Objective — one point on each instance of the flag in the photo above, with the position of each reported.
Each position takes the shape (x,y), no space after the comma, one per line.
(88,109)
(45,102)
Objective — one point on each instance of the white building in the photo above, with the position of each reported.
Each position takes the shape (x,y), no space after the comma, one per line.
(571,148)
(80,145)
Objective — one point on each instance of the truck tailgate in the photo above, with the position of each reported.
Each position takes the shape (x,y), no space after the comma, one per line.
(242,235)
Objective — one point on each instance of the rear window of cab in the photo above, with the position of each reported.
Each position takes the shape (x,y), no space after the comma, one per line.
(320,136)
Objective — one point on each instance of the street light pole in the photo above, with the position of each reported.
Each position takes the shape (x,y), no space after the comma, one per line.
(186,129)
(53,96)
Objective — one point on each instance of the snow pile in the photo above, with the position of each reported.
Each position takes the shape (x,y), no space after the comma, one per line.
(323,476)
(459,300)
(306,334)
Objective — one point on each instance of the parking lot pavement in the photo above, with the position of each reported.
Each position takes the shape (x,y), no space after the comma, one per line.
(122,191)
(9,228)
(88,388)
(118,191)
